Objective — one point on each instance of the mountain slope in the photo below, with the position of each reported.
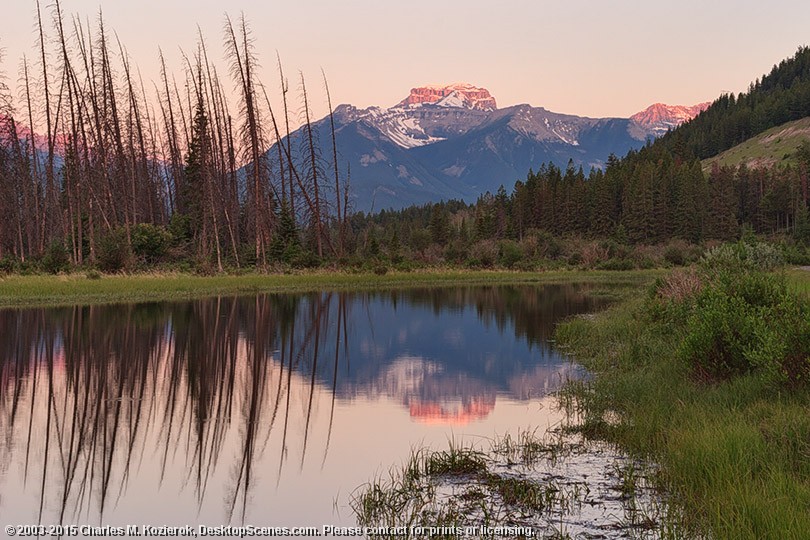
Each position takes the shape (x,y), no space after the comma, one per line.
(781,96)
(775,146)
(452,142)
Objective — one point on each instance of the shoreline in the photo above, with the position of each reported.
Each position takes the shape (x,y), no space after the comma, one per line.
(54,290)
(730,450)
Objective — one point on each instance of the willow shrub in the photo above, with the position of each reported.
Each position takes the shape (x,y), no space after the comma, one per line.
(748,322)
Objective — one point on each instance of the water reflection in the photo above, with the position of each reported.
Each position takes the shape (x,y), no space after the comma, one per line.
(200,409)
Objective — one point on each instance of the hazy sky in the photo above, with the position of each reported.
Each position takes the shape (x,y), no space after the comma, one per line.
(591,58)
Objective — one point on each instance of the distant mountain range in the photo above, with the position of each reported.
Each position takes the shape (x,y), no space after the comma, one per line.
(452,142)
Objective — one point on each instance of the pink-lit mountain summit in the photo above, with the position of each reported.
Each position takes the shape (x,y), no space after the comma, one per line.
(661,117)
(458,94)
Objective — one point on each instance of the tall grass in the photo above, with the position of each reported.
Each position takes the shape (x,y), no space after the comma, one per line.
(734,449)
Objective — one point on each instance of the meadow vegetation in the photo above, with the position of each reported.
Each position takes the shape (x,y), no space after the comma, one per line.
(708,375)
(94,287)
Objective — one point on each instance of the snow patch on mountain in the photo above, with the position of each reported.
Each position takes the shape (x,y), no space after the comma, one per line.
(374,157)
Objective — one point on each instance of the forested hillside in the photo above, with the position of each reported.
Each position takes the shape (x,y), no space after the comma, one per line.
(781,96)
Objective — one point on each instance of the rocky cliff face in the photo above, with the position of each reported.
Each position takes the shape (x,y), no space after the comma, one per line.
(659,117)
(453,95)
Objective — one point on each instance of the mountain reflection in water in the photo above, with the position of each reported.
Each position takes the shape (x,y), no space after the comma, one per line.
(211,409)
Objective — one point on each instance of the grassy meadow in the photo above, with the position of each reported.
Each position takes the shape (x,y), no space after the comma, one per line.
(96,288)
(719,398)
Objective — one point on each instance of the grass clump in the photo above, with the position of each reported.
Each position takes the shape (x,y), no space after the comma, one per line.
(456,460)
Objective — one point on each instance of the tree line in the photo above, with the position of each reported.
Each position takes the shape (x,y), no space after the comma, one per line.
(632,202)
(126,174)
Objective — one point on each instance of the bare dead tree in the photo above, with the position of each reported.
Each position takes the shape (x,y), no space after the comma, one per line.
(243,65)
(340,220)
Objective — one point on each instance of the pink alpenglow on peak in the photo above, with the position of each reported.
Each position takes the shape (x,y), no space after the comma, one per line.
(452,95)
(668,115)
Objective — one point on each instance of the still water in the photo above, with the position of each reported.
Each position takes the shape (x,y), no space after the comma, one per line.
(265,410)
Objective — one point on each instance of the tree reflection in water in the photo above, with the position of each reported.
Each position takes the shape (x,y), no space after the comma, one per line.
(91,397)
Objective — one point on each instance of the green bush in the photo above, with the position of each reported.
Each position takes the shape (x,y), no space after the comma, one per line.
(616,264)
(8,265)
(150,242)
(456,251)
(299,257)
(56,258)
(420,240)
(742,257)
(719,333)
(796,254)
(675,255)
(509,253)
(548,245)
(180,229)
(748,322)
(113,252)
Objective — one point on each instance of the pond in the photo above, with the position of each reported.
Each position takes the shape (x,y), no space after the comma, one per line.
(267,410)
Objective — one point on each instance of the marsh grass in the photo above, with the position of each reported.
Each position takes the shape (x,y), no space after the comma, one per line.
(734,454)
(515,481)
(81,288)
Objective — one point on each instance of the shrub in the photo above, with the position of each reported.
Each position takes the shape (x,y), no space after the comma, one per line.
(593,254)
(56,258)
(420,239)
(113,251)
(718,334)
(93,274)
(180,229)
(483,253)
(455,252)
(749,323)
(675,253)
(149,242)
(8,265)
(741,257)
(796,254)
(510,253)
(678,286)
(432,255)
(616,265)
(300,257)
(544,244)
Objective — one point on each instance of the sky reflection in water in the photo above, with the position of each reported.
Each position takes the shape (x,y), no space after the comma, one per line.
(265,410)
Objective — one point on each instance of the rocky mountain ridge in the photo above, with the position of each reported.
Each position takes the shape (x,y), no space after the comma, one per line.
(452,95)
(452,142)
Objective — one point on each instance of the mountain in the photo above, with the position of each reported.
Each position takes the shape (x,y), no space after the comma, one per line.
(659,118)
(443,142)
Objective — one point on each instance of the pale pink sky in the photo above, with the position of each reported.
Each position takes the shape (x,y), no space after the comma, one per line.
(591,58)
